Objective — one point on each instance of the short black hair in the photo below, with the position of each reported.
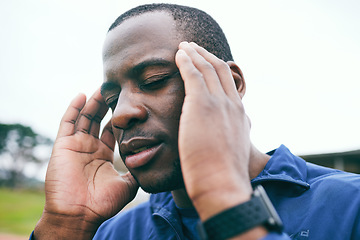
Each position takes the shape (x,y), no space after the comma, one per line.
(195,26)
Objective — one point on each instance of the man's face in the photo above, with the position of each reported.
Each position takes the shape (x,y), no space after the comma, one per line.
(145,92)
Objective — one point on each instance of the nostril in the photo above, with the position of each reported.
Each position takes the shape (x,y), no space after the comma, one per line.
(132,122)
(128,115)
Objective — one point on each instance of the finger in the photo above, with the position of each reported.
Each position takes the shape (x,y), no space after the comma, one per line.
(107,136)
(67,124)
(206,69)
(193,80)
(222,69)
(91,114)
(95,125)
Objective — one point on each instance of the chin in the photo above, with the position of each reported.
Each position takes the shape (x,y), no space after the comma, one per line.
(161,182)
(162,187)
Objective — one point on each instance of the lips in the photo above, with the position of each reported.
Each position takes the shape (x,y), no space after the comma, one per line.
(138,152)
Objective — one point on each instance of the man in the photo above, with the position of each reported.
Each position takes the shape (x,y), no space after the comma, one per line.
(182,131)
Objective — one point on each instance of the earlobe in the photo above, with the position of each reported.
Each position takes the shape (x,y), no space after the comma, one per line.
(238,78)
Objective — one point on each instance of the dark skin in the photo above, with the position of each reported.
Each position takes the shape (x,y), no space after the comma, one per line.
(155,127)
(146,96)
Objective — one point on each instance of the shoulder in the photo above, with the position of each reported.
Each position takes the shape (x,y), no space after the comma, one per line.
(335,201)
(336,193)
(335,181)
(332,199)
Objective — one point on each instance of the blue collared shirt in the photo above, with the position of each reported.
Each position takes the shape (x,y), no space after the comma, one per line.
(313,202)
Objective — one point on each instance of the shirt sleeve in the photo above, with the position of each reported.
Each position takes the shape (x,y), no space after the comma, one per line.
(32,236)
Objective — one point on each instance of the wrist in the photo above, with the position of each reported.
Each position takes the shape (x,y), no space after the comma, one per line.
(54,226)
(218,190)
(245,221)
(214,202)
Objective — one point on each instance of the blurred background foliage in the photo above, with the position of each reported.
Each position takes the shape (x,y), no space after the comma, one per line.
(21,149)
(23,153)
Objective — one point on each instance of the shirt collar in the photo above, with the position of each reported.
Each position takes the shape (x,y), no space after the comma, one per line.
(283,166)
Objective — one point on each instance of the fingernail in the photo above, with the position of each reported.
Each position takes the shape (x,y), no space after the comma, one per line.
(183,43)
(180,51)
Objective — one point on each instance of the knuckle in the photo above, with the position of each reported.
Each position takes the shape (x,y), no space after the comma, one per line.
(206,66)
(97,119)
(221,64)
(87,116)
(240,107)
(194,73)
(233,106)
(82,130)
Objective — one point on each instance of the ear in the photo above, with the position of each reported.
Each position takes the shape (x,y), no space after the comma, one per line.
(238,78)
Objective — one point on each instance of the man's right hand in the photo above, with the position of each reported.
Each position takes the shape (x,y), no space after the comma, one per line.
(82,187)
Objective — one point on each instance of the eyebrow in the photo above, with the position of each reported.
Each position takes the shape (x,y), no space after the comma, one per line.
(107,86)
(140,67)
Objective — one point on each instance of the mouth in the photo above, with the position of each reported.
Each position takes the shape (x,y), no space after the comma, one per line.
(138,152)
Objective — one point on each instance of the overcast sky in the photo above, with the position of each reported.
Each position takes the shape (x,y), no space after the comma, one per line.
(301,62)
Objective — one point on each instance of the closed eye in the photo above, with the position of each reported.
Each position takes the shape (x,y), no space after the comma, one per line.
(110,93)
(157,81)
(112,101)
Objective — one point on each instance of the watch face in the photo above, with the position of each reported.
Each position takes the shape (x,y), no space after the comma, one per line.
(274,222)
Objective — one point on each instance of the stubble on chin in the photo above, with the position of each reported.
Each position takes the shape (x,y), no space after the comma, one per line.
(164,183)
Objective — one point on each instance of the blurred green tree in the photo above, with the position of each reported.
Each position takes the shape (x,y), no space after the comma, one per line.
(19,146)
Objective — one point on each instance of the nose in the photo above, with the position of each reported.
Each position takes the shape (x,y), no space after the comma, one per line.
(128,111)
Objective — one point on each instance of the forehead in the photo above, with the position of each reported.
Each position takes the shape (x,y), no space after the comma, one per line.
(137,39)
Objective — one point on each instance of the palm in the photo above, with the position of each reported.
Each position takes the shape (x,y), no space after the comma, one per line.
(81,180)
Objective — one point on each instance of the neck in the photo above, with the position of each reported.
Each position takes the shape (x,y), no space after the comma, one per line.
(181,198)
(257,163)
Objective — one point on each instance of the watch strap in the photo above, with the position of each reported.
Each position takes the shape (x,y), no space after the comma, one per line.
(231,222)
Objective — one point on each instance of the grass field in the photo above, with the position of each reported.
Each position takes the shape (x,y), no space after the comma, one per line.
(20,210)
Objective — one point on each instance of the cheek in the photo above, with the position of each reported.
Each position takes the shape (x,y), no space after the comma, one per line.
(173,118)
(174,104)
(167,112)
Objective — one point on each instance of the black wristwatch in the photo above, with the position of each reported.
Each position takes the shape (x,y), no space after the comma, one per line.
(258,211)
